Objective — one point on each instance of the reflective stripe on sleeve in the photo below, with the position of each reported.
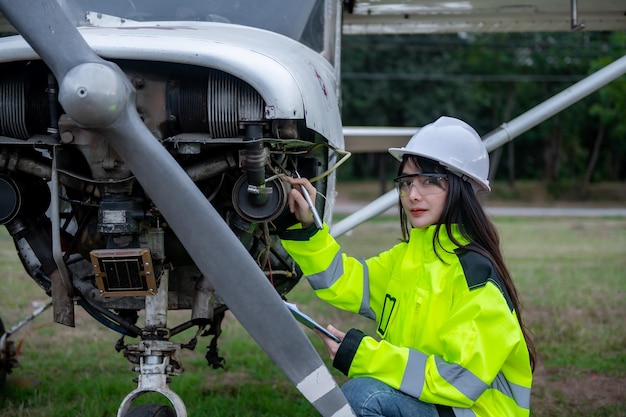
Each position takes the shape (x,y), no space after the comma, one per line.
(472,387)
(413,378)
(520,394)
(365,310)
(325,279)
(329,276)
(462,379)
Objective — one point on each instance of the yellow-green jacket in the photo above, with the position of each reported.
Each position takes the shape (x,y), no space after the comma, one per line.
(449,335)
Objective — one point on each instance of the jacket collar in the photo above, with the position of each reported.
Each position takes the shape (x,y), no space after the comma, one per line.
(423,237)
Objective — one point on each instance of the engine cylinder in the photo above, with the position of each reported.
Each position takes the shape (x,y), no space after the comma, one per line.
(214,103)
(24,107)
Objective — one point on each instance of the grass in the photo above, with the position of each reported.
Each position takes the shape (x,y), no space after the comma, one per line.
(577,295)
(570,273)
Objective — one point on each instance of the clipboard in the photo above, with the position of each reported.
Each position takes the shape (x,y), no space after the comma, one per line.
(309,322)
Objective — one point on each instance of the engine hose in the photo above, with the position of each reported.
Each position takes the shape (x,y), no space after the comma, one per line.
(101,313)
(53,93)
(181,328)
(255,164)
(101,319)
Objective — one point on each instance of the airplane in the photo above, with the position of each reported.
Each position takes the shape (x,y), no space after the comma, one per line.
(142,156)
(142,145)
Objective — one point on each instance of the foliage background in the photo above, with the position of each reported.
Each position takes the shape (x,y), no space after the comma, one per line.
(488,79)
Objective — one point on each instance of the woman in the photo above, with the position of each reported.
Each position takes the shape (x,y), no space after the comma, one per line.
(452,341)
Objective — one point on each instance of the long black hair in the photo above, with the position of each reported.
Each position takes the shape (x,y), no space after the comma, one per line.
(463,209)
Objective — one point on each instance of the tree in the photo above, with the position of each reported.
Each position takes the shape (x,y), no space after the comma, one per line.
(608,110)
(487,79)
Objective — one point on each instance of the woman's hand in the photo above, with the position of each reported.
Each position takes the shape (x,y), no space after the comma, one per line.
(331,345)
(297,203)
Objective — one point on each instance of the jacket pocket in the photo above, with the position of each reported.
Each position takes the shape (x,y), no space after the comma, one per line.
(389,309)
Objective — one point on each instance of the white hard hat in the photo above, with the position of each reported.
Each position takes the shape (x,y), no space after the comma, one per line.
(455,145)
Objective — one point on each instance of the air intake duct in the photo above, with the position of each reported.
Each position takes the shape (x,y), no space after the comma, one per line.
(27,195)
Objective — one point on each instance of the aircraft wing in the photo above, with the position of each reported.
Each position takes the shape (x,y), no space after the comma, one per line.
(428,16)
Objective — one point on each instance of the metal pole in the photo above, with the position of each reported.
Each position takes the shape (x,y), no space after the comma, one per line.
(509,131)
(373,209)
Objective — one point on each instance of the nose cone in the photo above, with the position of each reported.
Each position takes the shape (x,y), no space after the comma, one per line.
(93,94)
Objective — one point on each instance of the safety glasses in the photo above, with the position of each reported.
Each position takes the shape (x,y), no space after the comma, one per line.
(425,183)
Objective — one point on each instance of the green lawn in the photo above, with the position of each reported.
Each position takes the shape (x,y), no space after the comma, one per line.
(570,273)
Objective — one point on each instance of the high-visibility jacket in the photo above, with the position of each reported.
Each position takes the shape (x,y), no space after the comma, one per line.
(448,332)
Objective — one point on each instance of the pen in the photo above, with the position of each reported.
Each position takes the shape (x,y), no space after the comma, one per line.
(307,197)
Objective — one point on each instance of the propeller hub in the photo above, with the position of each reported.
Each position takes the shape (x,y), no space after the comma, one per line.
(93,94)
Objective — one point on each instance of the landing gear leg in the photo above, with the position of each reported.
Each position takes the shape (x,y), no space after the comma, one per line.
(157,360)
(154,367)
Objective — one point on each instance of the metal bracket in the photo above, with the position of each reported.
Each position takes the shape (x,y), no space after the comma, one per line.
(575,25)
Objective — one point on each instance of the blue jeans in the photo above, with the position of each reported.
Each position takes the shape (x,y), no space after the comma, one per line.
(369,397)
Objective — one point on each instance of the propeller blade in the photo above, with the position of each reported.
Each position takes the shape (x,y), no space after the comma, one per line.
(98,95)
(42,23)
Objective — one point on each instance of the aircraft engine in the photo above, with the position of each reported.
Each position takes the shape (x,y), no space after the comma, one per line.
(214,124)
